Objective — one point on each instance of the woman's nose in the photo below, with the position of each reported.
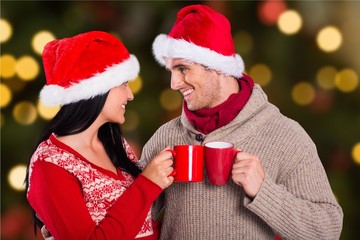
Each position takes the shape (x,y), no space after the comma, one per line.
(130,94)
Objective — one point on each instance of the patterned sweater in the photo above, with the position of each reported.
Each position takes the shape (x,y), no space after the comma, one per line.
(79,200)
(295,200)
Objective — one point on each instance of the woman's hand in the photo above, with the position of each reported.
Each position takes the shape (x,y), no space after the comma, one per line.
(159,169)
(46,234)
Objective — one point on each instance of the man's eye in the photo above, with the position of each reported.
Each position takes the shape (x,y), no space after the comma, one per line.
(182,69)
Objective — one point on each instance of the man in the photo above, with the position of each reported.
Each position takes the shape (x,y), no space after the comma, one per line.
(278,186)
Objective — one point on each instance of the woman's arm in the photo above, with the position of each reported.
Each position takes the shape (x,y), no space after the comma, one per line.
(57,198)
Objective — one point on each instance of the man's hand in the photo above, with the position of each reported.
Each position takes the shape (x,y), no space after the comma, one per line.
(248,173)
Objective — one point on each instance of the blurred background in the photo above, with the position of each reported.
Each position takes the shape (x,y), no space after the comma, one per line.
(305,54)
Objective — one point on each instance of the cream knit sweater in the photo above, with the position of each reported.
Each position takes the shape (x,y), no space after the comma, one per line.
(295,200)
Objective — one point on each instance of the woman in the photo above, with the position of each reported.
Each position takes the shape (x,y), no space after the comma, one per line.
(84,181)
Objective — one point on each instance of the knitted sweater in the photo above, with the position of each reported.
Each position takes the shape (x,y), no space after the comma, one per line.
(79,200)
(295,200)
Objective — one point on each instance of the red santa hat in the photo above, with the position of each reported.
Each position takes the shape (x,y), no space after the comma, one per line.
(84,66)
(203,36)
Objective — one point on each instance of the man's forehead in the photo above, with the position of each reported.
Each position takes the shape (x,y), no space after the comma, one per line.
(171,62)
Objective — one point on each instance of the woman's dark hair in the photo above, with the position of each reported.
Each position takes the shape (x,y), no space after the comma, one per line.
(77,117)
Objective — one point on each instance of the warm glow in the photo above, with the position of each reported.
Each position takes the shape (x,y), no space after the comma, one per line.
(269,11)
(5,95)
(5,30)
(329,39)
(40,39)
(347,80)
(136,85)
(47,112)
(356,153)
(290,22)
(325,77)
(303,93)
(7,68)
(243,42)
(27,68)
(25,113)
(132,121)
(17,176)
(261,74)
(170,100)
(2,120)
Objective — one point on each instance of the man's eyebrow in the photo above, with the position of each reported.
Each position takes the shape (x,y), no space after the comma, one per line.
(177,66)
(180,65)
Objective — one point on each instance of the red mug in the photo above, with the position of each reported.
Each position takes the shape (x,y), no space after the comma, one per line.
(219,158)
(188,163)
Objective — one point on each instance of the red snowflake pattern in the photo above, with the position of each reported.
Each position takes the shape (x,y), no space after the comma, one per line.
(100,191)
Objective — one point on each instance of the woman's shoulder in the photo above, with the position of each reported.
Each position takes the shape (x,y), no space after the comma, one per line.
(48,151)
(45,149)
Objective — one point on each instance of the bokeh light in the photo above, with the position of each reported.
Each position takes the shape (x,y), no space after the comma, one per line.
(323,101)
(132,121)
(16,177)
(170,100)
(5,95)
(303,93)
(325,77)
(136,85)
(2,120)
(243,42)
(356,153)
(25,113)
(290,22)
(346,80)
(276,59)
(269,11)
(27,68)
(329,39)
(40,39)
(261,73)
(47,112)
(5,30)
(8,63)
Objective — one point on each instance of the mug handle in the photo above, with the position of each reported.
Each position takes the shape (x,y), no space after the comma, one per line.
(173,173)
(236,151)
(172,152)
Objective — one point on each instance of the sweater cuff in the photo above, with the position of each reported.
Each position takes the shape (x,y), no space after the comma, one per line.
(151,188)
(269,192)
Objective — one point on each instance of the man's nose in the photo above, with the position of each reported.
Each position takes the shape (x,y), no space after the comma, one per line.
(176,82)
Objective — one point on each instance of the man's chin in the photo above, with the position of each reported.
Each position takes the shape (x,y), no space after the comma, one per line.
(192,108)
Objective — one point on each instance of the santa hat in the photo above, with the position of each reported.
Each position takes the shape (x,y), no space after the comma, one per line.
(84,66)
(203,36)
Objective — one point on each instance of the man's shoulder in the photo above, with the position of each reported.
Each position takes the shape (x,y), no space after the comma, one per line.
(287,131)
(170,124)
(171,128)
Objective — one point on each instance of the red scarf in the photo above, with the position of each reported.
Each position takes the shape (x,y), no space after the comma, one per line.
(209,119)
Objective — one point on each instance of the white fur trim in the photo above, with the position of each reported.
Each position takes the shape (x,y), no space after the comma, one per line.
(99,83)
(165,46)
